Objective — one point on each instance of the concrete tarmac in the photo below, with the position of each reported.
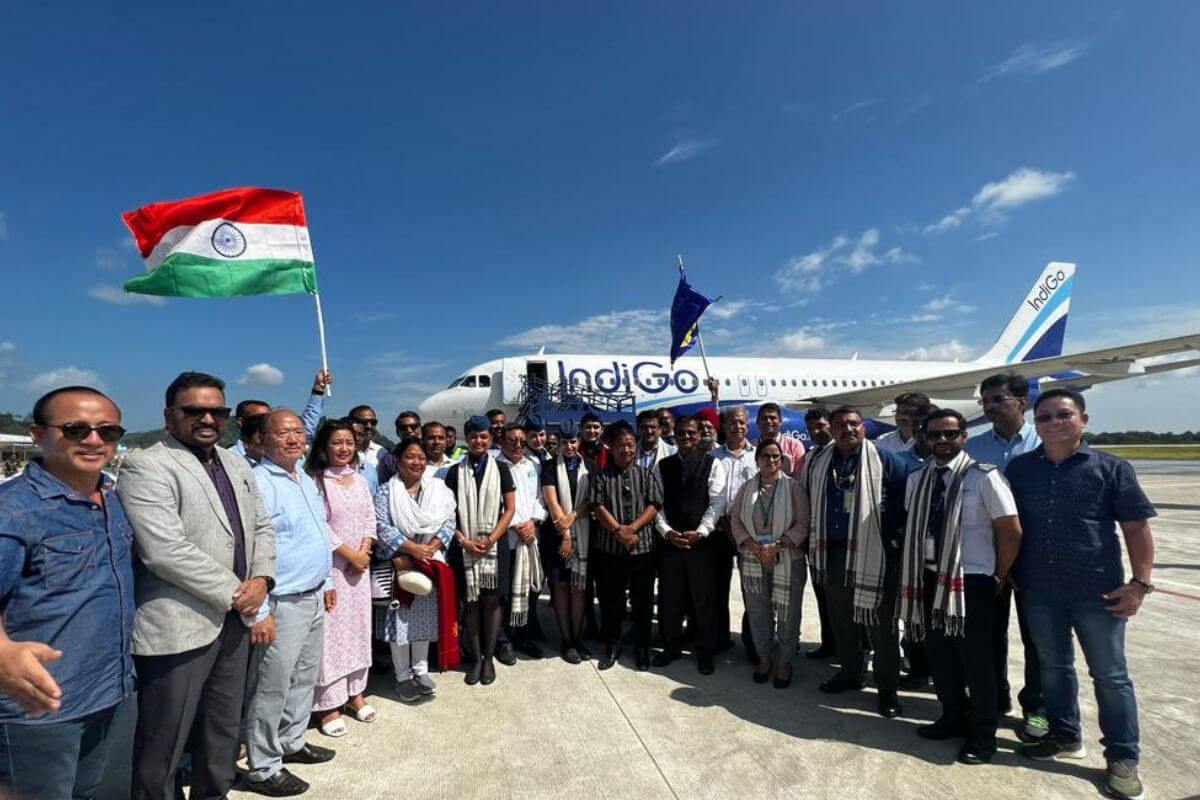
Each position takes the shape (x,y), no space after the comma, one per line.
(547,729)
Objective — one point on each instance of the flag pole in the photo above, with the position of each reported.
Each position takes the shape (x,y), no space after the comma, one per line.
(700,341)
(321,336)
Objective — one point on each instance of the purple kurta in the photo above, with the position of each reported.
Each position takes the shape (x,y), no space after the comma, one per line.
(348,626)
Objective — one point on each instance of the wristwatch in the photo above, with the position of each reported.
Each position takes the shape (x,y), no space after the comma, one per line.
(1147,588)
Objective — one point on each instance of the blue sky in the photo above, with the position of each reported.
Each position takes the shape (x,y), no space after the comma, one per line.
(866,178)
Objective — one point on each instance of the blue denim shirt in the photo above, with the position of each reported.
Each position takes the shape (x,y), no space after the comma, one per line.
(988,447)
(66,579)
(303,552)
(1069,514)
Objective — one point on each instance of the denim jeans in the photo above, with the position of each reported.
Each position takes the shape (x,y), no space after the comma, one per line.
(1052,619)
(62,759)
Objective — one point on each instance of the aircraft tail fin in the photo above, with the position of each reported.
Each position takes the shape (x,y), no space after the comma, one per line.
(1039,325)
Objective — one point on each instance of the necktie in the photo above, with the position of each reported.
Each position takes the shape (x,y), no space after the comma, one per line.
(937,508)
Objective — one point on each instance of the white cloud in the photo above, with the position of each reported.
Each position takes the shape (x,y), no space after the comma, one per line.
(863,254)
(1022,186)
(614,332)
(1029,60)
(801,342)
(947,303)
(7,347)
(806,273)
(262,375)
(63,376)
(120,256)
(118,296)
(809,273)
(685,150)
(952,350)
(855,107)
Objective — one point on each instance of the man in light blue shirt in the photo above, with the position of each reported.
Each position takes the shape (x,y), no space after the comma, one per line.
(1004,398)
(289,634)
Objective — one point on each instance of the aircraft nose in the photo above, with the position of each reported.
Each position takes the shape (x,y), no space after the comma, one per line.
(429,407)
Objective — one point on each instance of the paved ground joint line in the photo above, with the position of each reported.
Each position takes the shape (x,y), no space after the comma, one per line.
(641,741)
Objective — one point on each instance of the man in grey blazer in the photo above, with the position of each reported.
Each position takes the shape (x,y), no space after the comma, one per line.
(205,560)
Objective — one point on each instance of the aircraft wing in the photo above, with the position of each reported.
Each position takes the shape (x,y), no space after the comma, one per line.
(1096,366)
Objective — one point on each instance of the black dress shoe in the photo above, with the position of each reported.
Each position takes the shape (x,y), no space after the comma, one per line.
(310,754)
(529,648)
(487,673)
(506,655)
(916,683)
(473,672)
(642,658)
(941,731)
(571,655)
(584,653)
(281,784)
(761,677)
(970,754)
(889,705)
(612,654)
(705,665)
(837,685)
(783,683)
(663,658)
(821,653)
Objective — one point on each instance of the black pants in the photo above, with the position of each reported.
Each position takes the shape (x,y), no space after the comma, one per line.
(723,557)
(823,614)
(614,575)
(847,633)
(918,658)
(1030,697)
(685,584)
(198,693)
(966,663)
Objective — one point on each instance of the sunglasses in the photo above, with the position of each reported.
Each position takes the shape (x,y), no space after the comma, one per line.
(1061,416)
(370,423)
(198,412)
(937,436)
(78,431)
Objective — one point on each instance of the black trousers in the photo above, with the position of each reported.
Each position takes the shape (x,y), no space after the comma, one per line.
(1030,696)
(966,663)
(823,614)
(197,693)
(723,559)
(883,637)
(616,574)
(685,585)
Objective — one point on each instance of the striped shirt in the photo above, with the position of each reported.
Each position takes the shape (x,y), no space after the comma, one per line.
(626,493)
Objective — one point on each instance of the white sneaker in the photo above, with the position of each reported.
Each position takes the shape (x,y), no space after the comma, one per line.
(426,684)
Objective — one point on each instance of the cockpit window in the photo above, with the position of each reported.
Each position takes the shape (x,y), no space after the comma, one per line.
(485,380)
(454,383)
(468,381)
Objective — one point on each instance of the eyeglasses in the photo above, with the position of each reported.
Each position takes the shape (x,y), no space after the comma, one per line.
(995,400)
(370,423)
(78,431)
(937,436)
(1061,416)
(848,424)
(198,412)
(771,457)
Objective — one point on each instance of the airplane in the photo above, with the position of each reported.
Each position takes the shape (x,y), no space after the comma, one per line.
(1031,345)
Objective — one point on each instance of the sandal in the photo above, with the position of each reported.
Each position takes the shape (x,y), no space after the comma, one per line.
(335,727)
(364,713)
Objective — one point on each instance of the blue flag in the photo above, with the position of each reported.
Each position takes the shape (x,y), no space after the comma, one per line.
(685,316)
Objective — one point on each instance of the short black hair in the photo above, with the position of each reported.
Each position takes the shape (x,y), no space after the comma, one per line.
(493,412)
(1070,394)
(768,407)
(761,449)
(649,413)
(617,430)
(402,415)
(665,412)
(43,402)
(431,425)
(912,399)
(240,411)
(841,411)
(944,413)
(192,380)
(686,419)
(816,413)
(357,409)
(1014,384)
(510,427)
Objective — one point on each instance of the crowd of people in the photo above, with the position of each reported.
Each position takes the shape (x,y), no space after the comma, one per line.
(249,591)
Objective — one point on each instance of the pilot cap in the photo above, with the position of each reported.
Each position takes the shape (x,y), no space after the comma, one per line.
(477,423)
(568,429)
(534,424)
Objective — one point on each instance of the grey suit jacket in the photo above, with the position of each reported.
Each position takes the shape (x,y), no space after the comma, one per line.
(183,543)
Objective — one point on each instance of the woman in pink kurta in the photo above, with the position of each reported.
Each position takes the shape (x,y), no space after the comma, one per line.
(350,511)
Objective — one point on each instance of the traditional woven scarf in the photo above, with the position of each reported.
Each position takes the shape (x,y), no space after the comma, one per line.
(864,544)
(420,518)
(949,612)
(781,519)
(478,510)
(581,525)
(527,563)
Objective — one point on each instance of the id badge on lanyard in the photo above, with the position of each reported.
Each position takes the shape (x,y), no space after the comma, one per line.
(848,501)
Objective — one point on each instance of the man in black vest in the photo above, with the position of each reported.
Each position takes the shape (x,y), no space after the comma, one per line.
(693,500)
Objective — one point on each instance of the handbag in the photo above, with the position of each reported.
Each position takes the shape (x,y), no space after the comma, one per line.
(383,577)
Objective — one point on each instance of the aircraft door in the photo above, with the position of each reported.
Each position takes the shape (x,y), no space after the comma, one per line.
(743,386)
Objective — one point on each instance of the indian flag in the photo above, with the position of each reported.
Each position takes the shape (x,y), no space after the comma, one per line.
(232,242)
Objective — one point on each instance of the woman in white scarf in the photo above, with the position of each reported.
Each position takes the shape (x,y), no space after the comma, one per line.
(769,521)
(564,540)
(414,517)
